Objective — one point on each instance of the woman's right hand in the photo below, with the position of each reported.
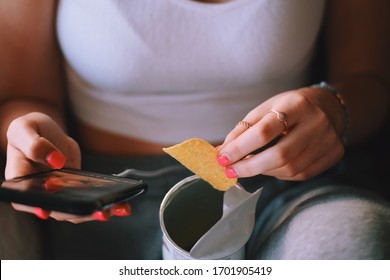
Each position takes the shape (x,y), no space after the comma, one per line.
(37,143)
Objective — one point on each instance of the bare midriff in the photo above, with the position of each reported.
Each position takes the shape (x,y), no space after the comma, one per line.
(98,141)
(95,140)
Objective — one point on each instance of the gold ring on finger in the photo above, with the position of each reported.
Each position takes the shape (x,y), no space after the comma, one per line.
(244,123)
(282,117)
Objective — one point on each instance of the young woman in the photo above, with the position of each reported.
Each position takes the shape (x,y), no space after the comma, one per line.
(143,74)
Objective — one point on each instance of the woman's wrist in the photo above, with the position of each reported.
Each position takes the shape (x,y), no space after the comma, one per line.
(343,105)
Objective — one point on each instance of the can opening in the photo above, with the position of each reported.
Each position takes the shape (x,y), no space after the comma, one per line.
(193,209)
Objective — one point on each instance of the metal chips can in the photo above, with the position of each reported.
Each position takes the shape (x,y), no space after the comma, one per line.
(187,212)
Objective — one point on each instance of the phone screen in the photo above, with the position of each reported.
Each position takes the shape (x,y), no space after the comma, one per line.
(72,191)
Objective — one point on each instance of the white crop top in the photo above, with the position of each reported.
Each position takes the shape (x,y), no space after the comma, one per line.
(168,70)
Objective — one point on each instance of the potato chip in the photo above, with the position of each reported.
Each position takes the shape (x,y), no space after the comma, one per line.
(201,158)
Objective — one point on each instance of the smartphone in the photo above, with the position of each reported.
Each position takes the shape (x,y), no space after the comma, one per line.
(70,190)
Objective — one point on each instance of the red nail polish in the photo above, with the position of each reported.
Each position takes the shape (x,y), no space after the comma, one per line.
(42,214)
(223,160)
(122,210)
(56,159)
(102,216)
(230,172)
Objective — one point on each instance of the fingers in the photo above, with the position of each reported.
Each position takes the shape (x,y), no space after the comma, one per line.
(24,135)
(242,140)
(311,145)
(269,159)
(35,143)
(301,163)
(295,172)
(39,212)
(18,164)
(119,210)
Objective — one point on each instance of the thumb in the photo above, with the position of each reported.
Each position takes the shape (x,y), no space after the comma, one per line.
(36,148)
(24,135)
(20,164)
(27,149)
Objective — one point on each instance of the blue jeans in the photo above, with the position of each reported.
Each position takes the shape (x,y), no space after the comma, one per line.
(316,219)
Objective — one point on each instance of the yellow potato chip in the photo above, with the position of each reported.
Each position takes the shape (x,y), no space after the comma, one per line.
(201,158)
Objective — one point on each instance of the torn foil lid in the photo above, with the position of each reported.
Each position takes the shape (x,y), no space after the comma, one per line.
(233,230)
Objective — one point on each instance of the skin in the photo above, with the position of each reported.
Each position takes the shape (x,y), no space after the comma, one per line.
(357,38)
(32,122)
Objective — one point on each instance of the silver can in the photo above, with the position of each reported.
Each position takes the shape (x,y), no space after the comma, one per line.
(187,212)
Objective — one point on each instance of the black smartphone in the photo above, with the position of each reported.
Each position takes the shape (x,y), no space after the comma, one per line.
(70,190)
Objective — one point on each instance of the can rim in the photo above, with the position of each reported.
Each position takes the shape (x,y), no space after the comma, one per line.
(165,202)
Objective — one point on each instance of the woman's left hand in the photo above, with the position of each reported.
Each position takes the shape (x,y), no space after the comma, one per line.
(310,121)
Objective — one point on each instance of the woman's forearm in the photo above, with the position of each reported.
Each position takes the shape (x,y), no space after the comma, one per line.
(367,105)
(357,61)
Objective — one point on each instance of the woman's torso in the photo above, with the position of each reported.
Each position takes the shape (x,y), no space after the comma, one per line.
(144,74)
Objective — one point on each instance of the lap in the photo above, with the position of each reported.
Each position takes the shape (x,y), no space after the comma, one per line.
(139,236)
(20,236)
(328,222)
(135,237)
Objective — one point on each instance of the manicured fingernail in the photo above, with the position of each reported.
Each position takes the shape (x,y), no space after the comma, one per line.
(102,216)
(218,147)
(42,214)
(52,185)
(223,160)
(231,173)
(122,210)
(56,159)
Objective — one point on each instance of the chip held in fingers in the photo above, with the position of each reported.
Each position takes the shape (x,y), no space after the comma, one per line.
(200,157)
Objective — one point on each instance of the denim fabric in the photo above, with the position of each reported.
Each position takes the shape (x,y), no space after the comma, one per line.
(139,236)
